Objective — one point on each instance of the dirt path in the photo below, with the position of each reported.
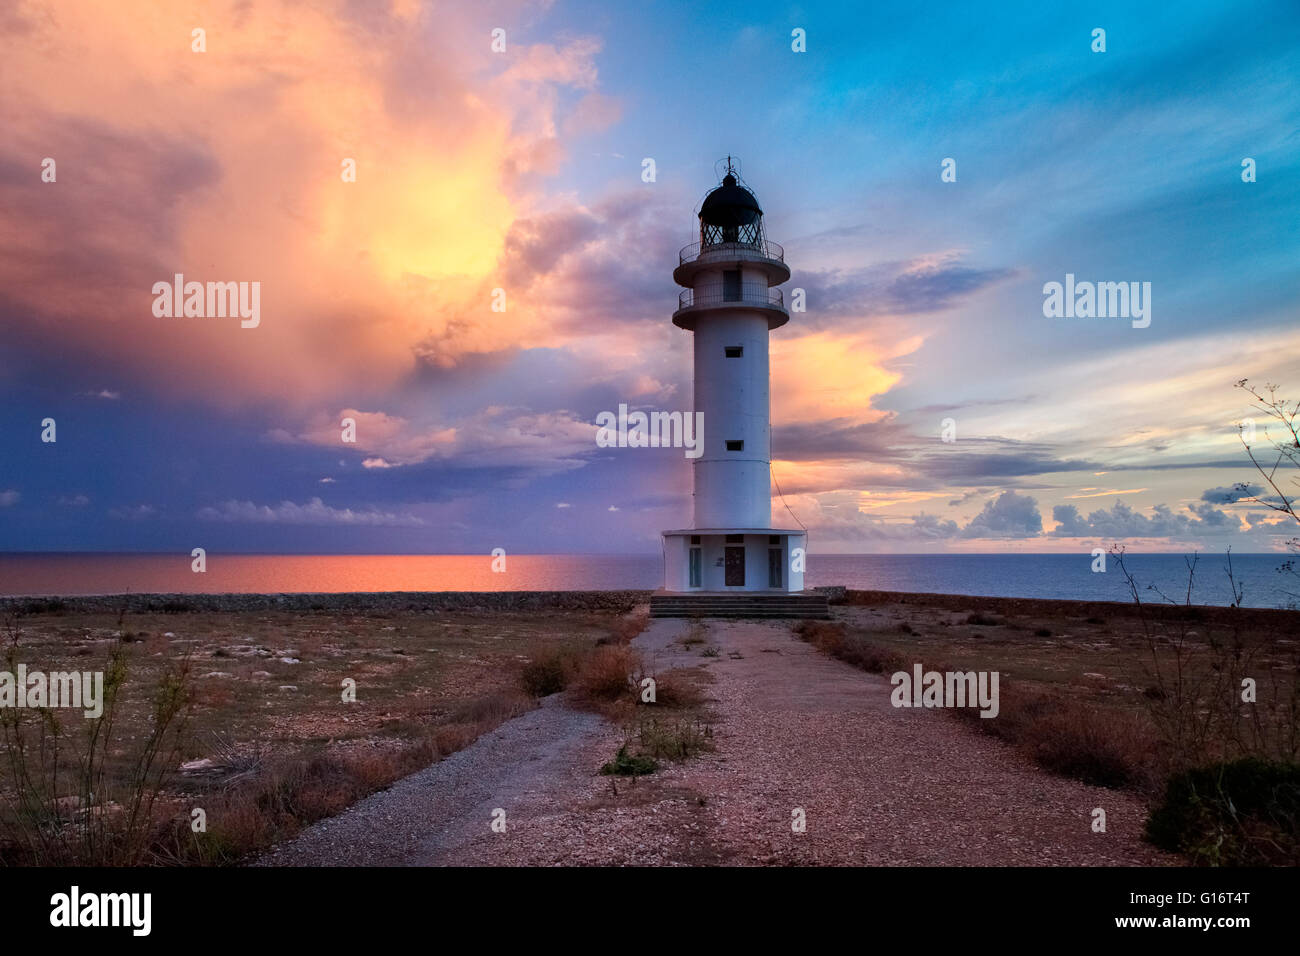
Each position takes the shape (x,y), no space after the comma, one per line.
(795,729)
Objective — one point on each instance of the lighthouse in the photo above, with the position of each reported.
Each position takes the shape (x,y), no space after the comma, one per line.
(730,305)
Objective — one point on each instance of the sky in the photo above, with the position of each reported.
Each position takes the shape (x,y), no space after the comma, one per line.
(515,178)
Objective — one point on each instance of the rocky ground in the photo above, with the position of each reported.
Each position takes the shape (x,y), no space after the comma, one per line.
(796,735)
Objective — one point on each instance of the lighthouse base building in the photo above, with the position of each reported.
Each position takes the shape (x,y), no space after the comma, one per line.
(731,305)
(732,559)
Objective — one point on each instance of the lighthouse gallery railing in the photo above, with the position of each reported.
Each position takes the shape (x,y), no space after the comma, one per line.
(769,298)
(763,249)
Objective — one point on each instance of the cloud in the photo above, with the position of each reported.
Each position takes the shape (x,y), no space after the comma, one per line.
(1227,496)
(839,517)
(497,436)
(149,186)
(1009,515)
(535,246)
(924,284)
(313,512)
(960,466)
(1107,493)
(8,498)
(931,527)
(1121,521)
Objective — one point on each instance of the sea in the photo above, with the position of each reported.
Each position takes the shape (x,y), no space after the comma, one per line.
(1259,577)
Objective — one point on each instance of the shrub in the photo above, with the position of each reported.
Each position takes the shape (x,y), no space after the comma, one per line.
(627,765)
(695,636)
(111,785)
(623,630)
(676,688)
(832,638)
(604,674)
(1097,746)
(674,739)
(1241,813)
(42,606)
(545,675)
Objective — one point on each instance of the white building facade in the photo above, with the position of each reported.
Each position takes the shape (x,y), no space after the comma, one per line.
(731,305)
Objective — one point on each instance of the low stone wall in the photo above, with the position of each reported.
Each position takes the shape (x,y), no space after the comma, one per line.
(608,601)
(1083,609)
(613,601)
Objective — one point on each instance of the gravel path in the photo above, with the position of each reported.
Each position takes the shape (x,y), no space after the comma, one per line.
(428,815)
(795,730)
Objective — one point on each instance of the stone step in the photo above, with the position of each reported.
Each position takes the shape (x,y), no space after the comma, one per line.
(687,607)
(737,601)
(740,606)
(745,615)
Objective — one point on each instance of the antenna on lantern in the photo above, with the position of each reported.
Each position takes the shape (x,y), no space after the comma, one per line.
(728,167)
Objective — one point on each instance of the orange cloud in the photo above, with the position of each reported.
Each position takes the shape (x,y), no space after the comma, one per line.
(225,165)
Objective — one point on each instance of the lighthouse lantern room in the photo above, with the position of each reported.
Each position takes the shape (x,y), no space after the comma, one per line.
(731,304)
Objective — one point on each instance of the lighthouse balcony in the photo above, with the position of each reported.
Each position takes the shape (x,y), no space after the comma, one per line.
(725,251)
(770,301)
(768,256)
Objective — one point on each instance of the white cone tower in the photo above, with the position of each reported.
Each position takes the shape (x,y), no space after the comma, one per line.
(731,305)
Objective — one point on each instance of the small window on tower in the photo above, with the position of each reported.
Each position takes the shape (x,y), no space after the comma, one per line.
(735,444)
(735,351)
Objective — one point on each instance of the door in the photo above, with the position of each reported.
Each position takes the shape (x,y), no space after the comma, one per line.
(696,565)
(731,285)
(775,562)
(735,567)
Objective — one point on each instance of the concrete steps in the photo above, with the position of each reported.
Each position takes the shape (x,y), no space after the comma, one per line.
(740,605)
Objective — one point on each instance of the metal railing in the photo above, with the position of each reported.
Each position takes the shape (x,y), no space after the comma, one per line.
(762,249)
(769,298)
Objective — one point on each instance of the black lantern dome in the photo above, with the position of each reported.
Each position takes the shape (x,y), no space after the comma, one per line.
(730,213)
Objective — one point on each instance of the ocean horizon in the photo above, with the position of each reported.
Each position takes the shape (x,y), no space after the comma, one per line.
(1046,576)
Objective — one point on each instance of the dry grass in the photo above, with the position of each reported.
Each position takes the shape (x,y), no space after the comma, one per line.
(266,712)
(833,638)
(1082,695)
(604,677)
(1076,738)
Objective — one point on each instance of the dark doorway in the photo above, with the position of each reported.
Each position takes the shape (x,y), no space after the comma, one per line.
(731,285)
(735,567)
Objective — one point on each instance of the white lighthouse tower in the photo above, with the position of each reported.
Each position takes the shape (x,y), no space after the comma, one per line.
(731,305)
